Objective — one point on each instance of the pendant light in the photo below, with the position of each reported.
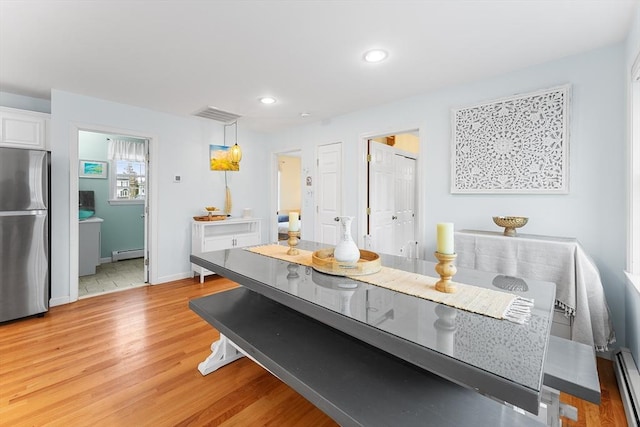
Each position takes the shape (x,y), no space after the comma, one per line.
(236,152)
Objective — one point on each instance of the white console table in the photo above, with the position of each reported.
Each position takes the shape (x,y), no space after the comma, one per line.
(207,236)
(562,261)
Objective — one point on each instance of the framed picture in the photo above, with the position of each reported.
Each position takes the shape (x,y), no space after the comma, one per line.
(92,169)
(219,159)
(514,145)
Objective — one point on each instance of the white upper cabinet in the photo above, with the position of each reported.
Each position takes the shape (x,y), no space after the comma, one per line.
(24,129)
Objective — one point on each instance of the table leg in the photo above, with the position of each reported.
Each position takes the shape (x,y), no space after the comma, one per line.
(551,398)
(223,352)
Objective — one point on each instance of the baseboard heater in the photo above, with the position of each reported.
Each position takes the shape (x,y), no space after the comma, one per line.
(629,384)
(126,254)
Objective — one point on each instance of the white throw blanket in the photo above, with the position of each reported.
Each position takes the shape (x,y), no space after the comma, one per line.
(561,261)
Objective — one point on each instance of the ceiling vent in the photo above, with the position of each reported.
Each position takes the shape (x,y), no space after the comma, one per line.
(215,114)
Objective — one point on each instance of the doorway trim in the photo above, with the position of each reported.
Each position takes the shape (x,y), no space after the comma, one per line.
(362,180)
(73,200)
(273,211)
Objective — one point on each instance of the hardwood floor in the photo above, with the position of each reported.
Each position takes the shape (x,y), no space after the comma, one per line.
(610,412)
(130,359)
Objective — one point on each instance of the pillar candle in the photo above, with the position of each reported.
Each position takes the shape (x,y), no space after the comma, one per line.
(294,221)
(445,238)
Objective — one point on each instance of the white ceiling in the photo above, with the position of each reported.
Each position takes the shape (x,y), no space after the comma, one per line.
(181,56)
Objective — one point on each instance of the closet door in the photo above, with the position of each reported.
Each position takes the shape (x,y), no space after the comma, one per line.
(329,197)
(382,217)
(404,205)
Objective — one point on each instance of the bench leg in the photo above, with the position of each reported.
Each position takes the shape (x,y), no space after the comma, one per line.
(223,352)
(551,398)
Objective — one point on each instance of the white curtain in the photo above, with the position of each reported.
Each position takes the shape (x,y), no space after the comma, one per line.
(126,150)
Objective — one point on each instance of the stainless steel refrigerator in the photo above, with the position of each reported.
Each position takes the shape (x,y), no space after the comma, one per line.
(24,233)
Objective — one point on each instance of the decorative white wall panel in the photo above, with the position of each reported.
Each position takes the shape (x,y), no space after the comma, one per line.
(514,145)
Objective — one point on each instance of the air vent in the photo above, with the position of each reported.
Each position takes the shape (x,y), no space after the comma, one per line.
(215,114)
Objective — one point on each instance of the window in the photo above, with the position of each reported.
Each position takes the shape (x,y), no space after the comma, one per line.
(128,172)
(633,263)
(130,179)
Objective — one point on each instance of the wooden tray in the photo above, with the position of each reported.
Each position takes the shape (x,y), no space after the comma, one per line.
(210,217)
(324,262)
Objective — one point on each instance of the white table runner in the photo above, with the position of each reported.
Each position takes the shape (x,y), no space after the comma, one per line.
(488,302)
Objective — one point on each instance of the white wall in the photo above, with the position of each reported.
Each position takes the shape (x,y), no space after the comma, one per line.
(180,146)
(593,211)
(632,297)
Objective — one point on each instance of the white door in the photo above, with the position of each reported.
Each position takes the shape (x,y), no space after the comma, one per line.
(392,200)
(404,205)
(381,163)
(329,194)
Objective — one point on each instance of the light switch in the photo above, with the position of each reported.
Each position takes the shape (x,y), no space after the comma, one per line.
(177,179)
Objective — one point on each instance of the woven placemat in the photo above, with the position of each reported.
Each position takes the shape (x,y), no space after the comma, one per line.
(488,302)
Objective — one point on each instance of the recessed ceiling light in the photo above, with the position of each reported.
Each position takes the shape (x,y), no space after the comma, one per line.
(268,100)
(305,115)
(375,55)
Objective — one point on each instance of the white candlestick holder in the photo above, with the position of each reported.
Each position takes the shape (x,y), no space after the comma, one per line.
(293,242)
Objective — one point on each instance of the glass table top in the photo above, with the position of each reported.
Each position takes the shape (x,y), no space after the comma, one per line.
(450,338)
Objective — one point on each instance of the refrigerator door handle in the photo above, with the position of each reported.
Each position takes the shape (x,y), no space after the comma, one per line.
(23,213)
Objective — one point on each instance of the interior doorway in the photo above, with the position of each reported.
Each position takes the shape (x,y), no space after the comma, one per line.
(288,192)
(391,194)
(111,212)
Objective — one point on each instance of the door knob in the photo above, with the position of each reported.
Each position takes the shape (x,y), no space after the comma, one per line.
(336,219)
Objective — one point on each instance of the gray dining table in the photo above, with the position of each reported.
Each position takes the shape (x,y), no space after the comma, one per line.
(496,360)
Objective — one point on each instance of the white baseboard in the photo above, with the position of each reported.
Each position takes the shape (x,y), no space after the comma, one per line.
(127,254)
(628,378)
(171,278)
(59,301)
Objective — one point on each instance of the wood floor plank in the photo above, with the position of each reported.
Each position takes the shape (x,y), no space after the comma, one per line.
(130,359)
